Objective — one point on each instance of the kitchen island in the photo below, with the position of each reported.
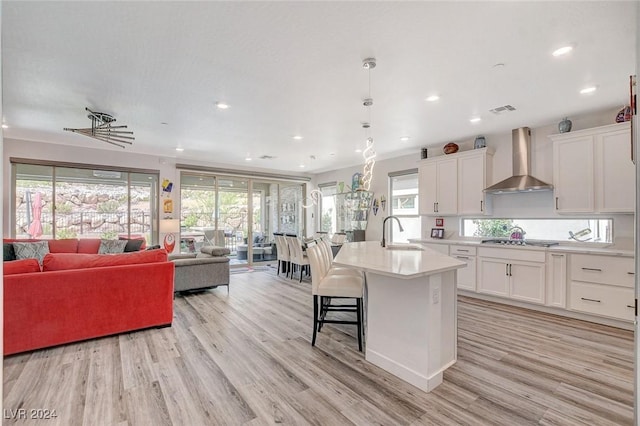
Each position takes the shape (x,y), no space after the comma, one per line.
(411,309)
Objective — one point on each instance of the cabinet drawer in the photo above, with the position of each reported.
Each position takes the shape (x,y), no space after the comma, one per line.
(615,302)
(610,270)
(512,254)
(462,251)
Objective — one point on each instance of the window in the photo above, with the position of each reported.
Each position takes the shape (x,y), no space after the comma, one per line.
(403,187)
(73,201)
(328,218)
(584,230)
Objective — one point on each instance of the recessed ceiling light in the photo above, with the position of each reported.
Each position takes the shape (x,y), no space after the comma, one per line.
(247,159)
(179,149)
(562,51)
(164,123)
(433,98)
(302,166)
(4,126)
(332,154)
(475,119)
(404,138)
(222,105)
(588,90)
(297,137)
(358,150)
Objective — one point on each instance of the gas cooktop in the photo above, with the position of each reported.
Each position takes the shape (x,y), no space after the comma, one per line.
(505,242)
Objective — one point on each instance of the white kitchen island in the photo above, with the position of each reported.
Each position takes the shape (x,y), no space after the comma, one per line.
(411,309)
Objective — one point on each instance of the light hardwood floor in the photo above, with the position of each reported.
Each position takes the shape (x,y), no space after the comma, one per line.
(246,358)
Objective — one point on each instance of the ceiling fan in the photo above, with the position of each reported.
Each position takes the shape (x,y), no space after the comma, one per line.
(102,130)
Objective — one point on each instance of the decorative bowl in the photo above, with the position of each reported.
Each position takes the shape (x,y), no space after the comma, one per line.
(450,148)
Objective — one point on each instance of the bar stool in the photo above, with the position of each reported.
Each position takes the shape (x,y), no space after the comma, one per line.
(325,287)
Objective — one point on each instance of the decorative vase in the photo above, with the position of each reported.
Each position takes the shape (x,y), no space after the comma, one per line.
(480,142)
(565,125)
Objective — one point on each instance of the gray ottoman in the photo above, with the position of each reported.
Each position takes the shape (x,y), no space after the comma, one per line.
(207,269)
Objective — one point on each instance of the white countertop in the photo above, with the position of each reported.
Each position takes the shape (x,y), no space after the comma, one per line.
(568,248)
(369,256)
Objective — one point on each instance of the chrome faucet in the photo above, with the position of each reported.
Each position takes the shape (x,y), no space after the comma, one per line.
(383,243)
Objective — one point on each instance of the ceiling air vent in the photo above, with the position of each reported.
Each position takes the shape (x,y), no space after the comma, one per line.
(266,157)
(502,109)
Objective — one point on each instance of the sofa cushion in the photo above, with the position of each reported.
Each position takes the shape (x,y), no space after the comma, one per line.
(7,252)
(133,244)
(88,245)
(67,245)
(22,266)
(215,250)
(63,261)
(112,246)
(31,250)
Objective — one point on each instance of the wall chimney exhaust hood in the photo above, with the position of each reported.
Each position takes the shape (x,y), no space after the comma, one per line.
(521,181)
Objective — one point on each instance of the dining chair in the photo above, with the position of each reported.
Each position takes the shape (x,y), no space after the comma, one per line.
(327,287)
(298,257)
(284,257)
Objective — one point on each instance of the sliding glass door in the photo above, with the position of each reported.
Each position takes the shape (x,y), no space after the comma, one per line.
(239,213)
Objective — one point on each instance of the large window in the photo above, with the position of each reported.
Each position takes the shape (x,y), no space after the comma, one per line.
(72,201)
(403,187)
(327,208)
(583,230)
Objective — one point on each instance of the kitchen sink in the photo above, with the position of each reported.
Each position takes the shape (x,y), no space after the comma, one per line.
(403,247)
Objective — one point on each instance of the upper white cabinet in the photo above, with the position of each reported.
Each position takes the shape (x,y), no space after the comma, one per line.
(454,184)
(474,175)
(593,171)
(438,187)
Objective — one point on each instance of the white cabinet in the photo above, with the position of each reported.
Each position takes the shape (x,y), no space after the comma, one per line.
(592,170)
(440,248)
(557,280)
(438,187)
(602,285)
(514,273)
(454,184)
(474,174)
(467,275)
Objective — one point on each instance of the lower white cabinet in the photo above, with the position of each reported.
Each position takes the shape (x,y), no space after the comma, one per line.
(602,285)
(503,272)
(466,276)
(557,280)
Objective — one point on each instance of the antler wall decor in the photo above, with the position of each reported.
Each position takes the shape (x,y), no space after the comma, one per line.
(102,130)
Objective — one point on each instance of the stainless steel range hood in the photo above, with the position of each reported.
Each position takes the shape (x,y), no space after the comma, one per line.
(521,181)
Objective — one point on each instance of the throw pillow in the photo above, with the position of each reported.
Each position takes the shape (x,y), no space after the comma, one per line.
(112,246)
(64,261)
(133,245)
(20,267)
(7,252)
(31,250)
(66,245)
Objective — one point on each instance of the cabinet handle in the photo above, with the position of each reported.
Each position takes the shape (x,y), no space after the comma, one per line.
(631,273)
(462,257)
(630,306)
(510,270)
(481,206)
(590,300)
(592,269)
(434,208)
(437,207)
(557,255)
(467,251)
(506,269)
(556,203)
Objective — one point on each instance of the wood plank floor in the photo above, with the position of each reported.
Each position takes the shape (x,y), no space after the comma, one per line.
(245,359)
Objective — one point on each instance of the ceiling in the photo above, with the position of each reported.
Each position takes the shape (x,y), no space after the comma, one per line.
(295,68)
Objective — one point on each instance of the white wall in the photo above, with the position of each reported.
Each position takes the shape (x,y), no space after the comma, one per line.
(529,205)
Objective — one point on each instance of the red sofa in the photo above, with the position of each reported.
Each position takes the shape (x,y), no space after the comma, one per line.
(80,296)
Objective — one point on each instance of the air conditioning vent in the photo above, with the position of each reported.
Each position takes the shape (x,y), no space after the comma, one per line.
(502,109)
(266,157)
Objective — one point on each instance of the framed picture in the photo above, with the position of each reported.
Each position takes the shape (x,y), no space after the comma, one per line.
(437,233)
(439,221)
